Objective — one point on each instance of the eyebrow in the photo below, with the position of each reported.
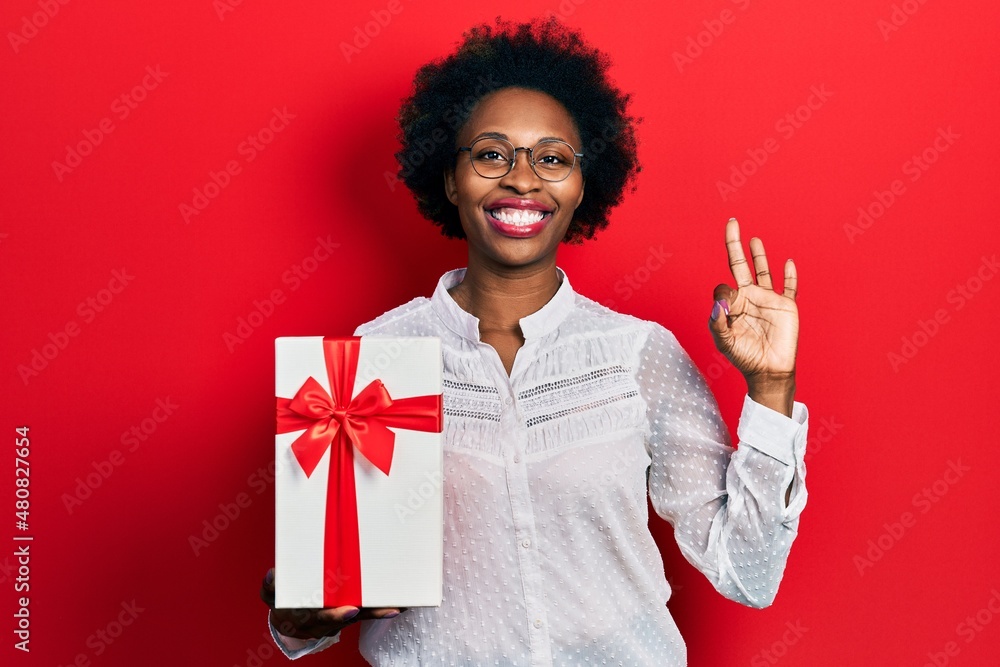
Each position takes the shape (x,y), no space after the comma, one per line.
(501,135)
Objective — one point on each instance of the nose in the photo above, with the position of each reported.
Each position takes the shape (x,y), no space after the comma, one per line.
(522,176)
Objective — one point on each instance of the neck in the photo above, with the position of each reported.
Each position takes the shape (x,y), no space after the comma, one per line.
(500,296)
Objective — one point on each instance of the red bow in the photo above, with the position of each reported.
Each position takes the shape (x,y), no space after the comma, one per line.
(362,421)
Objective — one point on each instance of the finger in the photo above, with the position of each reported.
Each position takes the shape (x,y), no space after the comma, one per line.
(312,623)
(267,588)
(718,321)
(380,612)
(791,280)
(346,614)
(737,260)
(760,263)
(724,291)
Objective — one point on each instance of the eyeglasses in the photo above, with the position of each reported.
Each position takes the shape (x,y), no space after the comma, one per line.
(551,159)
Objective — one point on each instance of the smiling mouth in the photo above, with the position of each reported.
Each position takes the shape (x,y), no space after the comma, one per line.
(518,217)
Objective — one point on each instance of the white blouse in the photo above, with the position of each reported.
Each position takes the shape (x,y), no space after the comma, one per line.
(548,558)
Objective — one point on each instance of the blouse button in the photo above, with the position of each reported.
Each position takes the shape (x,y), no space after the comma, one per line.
(538,622)
(526,543)
(517,458)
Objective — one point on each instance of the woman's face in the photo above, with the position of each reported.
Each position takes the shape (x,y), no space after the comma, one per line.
(488,207)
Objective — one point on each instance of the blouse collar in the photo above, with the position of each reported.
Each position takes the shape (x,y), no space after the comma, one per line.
(543,321)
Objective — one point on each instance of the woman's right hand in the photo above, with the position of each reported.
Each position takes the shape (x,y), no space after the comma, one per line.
(316,623)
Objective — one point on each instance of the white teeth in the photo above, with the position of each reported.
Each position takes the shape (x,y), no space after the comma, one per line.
(517,216)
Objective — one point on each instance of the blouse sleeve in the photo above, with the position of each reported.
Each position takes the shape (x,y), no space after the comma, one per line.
(727,506)
(294,648)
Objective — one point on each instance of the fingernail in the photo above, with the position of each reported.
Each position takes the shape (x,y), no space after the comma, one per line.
(391,614)
(351,614)
(732,219)
(269,578)
(725,306)
(716,309)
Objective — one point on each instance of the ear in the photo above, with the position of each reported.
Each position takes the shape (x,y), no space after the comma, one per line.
(579,200)
(450,190)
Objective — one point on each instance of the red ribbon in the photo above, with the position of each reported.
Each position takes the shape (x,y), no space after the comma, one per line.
(346,423)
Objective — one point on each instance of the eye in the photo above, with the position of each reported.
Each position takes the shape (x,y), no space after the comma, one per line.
(491,155)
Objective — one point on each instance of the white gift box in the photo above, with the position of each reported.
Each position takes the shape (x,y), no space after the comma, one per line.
(395,559)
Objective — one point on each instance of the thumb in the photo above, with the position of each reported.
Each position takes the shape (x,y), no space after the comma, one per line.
(267,588)
(718,323)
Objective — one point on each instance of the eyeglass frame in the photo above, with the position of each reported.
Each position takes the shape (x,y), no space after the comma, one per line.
(531,157)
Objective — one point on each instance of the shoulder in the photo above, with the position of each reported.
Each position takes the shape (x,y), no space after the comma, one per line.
(591,315)
(408,319)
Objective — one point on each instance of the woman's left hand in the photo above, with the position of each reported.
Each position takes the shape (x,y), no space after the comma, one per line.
(759,333)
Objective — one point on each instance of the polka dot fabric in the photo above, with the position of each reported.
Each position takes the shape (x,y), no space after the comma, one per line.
(548,558)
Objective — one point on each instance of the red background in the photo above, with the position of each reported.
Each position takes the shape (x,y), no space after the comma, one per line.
(882,431)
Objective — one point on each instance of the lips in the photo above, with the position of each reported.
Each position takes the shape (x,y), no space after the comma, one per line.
(524,204)
(518,218)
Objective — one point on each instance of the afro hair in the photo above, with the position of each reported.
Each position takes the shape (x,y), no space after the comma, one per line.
(542,55)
